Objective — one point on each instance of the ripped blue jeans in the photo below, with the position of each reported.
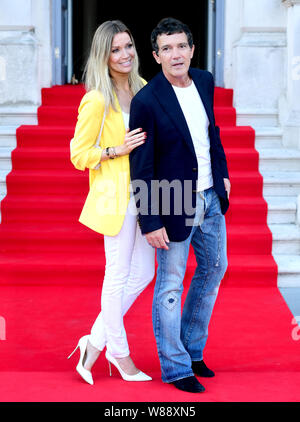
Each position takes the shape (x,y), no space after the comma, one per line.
(181,338)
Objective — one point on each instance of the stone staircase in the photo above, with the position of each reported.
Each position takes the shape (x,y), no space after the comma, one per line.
(10,119)
(280,168)
(7,144)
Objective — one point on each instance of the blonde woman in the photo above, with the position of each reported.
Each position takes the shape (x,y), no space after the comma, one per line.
(102,143)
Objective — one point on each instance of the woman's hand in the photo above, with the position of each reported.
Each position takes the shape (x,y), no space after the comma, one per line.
(132,140)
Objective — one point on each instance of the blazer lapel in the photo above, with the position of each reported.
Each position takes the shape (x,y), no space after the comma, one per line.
(166,96)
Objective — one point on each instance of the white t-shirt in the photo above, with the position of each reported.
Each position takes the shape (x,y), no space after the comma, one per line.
(126,119)
(126,123)
(197,121)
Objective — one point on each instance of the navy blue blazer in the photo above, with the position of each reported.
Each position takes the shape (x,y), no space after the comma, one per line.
(168,156)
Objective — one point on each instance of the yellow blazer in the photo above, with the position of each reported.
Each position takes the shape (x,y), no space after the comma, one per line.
(106,204)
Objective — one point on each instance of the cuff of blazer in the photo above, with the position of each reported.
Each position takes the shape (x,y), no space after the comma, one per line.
(149,223)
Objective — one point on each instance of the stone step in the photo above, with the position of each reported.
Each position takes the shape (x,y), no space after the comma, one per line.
(8,137)
(281,209)
(286,239)
(257,118)
(279,159)
(3,174)
(268,137)
(5,158)
(288,270)
(281,183)
(18,115)
(2,187)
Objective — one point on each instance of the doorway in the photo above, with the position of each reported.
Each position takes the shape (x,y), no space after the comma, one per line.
(88,15)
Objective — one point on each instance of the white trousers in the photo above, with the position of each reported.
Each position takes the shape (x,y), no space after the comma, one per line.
(130,267)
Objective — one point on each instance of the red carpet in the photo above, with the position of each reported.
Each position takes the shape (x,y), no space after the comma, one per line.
(51,270)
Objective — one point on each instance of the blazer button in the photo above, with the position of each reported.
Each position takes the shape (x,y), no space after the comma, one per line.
(194,191)
(194,169)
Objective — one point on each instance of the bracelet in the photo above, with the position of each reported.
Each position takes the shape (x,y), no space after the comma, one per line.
(113,152)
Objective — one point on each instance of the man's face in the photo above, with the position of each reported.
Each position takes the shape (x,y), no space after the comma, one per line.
(174,55)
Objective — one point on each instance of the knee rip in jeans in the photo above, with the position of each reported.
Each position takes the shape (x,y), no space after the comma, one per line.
(220,262)
(218,257)
(217,264)
(170,301)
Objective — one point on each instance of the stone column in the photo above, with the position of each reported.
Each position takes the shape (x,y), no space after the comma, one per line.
(289,105)
(254,67)
(25,51)
(25,59)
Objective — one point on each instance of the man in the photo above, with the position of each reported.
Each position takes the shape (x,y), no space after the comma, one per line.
(182,150)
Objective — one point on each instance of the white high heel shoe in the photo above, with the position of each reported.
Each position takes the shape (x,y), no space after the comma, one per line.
(140,376)
(86,375)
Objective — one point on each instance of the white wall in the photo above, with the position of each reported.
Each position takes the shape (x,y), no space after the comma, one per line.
(289,104)
(15,12)
(255,55)
(25,51)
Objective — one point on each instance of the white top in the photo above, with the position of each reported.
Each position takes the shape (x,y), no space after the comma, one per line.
(197,121)
(126,123)
(126,119)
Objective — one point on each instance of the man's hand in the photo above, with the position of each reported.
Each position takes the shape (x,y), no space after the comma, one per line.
(227,186)
(158,238)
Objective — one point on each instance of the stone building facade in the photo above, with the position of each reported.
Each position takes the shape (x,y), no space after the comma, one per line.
(259,59)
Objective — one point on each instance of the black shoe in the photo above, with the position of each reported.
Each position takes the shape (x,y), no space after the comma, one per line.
(189,384)
(199,368)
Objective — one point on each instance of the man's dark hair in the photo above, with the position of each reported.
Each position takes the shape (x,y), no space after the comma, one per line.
(170,26)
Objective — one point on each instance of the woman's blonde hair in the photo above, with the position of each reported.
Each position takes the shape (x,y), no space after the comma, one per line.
(96,73)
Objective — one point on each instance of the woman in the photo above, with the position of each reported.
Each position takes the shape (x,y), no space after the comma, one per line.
(102,143)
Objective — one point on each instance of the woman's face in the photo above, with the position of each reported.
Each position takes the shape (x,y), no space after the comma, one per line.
(122,54)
